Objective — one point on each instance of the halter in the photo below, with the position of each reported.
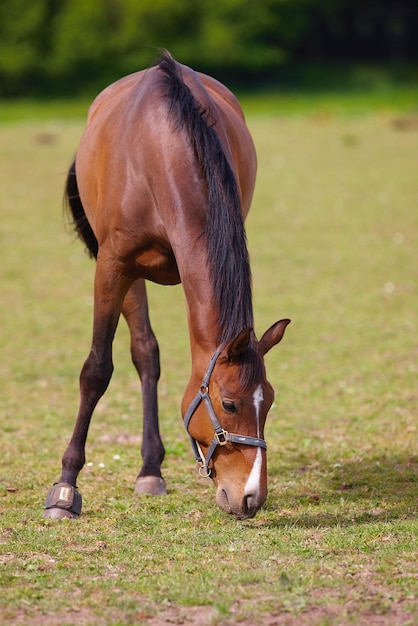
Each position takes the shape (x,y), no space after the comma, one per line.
(222,437)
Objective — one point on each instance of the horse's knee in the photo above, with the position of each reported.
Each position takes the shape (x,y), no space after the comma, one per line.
(95,375)
(145,355)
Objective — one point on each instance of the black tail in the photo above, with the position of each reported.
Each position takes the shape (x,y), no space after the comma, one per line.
(80,222)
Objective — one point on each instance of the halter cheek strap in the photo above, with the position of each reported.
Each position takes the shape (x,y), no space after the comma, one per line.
(221,437)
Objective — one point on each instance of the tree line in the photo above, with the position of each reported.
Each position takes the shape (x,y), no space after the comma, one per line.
(69,46)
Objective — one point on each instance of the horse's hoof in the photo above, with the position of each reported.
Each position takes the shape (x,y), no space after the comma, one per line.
(56,513)
(151,485)
(63,502)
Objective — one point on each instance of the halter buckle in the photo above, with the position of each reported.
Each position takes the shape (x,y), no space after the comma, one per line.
(222,437)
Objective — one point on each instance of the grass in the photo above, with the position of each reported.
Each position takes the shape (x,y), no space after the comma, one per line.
(333,239)
(346,96)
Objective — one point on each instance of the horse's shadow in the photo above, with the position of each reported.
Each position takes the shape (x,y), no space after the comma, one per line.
(348,493)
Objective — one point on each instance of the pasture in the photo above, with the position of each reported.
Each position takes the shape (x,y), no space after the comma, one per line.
(333,238)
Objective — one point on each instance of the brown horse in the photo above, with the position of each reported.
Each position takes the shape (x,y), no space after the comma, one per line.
(159,190)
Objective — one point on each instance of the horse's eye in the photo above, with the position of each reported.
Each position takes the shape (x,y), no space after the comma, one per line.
(230,406)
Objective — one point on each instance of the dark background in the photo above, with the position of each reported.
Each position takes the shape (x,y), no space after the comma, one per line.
(78,46)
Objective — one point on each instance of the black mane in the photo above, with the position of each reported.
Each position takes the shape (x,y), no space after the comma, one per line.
(228,258)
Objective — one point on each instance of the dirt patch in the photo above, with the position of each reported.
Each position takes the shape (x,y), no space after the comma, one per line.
(316,616)
(123,439)
(366,602)
(330,614)
(185,616)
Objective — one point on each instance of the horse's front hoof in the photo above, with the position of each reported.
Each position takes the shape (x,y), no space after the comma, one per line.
(150,485)
(63,502)
(56,513)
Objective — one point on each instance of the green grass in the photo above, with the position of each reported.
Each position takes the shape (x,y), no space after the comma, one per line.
(369,96)
(329,102)
(333,236)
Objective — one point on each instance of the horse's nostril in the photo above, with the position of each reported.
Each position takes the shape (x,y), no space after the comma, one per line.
(242,509)
(222,500)
(249,502)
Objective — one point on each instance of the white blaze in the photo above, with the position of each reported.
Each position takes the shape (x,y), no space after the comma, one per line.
(257,400)
(253,482)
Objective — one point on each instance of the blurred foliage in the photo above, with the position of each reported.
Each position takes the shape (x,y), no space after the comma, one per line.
(64,46)
(72,46)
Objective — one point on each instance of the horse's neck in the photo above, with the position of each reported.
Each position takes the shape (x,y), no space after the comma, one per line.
(211,318)
(202,318)
(203,332)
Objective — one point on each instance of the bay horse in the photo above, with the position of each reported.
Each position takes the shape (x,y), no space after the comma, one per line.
(159,190)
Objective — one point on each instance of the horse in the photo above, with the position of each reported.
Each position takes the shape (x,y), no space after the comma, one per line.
(158,191)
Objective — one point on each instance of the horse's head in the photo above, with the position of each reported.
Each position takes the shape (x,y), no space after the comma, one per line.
(226,418)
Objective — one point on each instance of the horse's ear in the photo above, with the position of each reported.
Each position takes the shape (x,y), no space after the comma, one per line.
(237,346)
(272,336)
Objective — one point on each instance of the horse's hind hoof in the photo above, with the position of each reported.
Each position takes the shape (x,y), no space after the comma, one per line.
(63,502)
(150,485)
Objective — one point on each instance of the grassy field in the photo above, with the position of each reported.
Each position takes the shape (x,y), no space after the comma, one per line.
(333,236)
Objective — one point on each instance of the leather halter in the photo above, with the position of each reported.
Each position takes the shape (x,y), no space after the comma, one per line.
(222,437)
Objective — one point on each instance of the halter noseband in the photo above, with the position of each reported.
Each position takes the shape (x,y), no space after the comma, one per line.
(222,437)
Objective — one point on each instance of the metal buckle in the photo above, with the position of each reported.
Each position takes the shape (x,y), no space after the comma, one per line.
(204,470)
(222,437)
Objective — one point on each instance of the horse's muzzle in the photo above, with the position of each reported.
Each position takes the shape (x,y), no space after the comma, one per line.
(243,507)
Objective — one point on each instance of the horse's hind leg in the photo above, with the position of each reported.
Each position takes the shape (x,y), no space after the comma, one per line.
(63,500)
(145,356)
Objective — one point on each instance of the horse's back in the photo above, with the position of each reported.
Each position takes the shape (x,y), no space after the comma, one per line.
(237,141)
(113,94)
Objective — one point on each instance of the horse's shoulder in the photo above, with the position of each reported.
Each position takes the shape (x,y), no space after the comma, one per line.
(220,93)
(115,90)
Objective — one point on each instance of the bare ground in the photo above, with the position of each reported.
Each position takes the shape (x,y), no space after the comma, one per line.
(319,612)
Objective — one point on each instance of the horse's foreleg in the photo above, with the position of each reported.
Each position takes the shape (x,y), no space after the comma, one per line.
(64,500)
(145,356)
